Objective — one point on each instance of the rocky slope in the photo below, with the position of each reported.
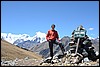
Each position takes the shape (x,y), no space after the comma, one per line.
(11,52)
(43,48)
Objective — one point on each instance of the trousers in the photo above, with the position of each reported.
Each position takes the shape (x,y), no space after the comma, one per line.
(51,42)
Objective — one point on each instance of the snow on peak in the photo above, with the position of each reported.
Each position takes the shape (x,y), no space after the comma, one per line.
(91,38)
(40,37)
(98,37)
(8,37)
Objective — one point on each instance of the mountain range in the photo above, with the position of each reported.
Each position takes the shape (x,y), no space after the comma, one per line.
(16,39)
(24,40)
(38,43)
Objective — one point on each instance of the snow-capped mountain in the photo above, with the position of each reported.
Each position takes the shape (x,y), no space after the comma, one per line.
(91,38)
(16,39)
(39,37)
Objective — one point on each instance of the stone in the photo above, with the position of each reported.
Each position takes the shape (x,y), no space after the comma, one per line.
(4,65)
(59,63)
(59,60)
(66,61)
(47,60)
(16,59)
(6,62)
(97,53)
(86,59)
(73,54)
(82,64)
(64,64)
(13,63)
(84,53)
(96,64)
(88,64)
(65,53)
(75,64)
(97,60)
(44,64)
(26,58)
(55,61)
(55,56)
(68,64)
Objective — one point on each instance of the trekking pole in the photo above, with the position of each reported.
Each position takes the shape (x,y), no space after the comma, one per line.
(62,47)
(77,46)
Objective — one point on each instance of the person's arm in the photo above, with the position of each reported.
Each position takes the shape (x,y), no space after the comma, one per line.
(47,36)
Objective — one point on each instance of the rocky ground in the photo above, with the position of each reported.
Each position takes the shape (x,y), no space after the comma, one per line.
(57,61)
(21,62)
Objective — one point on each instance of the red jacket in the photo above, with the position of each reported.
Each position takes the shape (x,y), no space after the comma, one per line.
(52,35)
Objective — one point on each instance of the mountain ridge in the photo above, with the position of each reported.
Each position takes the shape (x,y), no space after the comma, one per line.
(42,47)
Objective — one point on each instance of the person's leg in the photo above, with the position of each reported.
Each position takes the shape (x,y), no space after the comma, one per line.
(51,48)
(61,46)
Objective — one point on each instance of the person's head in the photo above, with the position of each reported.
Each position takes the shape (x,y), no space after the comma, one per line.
(52,26)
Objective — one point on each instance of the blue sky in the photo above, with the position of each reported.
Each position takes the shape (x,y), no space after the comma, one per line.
(29,17)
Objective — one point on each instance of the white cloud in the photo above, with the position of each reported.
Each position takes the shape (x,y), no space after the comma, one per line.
(91,28)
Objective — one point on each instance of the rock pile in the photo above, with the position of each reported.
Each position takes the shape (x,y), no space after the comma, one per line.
(69,60)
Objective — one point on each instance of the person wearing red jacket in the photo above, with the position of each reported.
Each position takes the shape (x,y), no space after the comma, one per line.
(52,37)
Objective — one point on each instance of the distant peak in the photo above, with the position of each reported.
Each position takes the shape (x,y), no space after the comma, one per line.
(39,36)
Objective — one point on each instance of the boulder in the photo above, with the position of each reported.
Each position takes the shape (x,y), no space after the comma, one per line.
(86,59)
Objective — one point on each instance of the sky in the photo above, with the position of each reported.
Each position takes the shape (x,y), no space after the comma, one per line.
(29,17)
